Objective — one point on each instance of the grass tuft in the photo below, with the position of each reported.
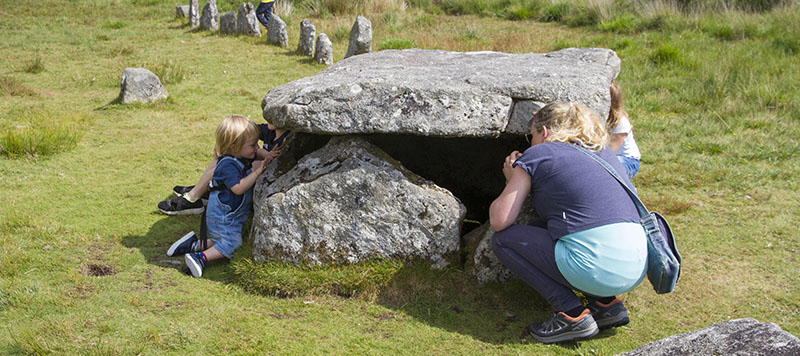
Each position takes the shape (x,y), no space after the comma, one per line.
(115,25)
(555,12)
(287,280)
(396,43)
(41,134)
(35,67)
(170,71)
(11,86)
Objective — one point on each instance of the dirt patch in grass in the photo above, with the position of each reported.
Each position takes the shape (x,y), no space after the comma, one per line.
(98,270)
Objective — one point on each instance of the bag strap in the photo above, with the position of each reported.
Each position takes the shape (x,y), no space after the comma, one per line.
(636,201)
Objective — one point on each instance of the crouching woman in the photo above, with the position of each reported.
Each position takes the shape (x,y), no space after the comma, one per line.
(588,238)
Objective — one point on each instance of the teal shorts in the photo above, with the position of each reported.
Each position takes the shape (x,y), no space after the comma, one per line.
(605,260)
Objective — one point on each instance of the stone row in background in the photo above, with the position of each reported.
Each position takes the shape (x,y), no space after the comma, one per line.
(246,23)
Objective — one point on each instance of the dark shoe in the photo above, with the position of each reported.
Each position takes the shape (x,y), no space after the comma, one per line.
(196,262)
(180,206)
(609,315)
(561,327)
(180,190)
(186,244)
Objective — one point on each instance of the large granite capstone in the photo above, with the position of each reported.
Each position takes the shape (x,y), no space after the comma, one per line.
(350,202)
(440,94)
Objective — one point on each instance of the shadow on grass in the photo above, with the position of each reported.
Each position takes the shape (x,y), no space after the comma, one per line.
(153,246)
(449,299)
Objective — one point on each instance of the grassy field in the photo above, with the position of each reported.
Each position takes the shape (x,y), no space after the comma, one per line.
(713,97)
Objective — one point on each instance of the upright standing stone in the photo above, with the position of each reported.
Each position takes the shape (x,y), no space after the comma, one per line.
(360,37)
(350,202)
(209,19)
(306,44)
(227,23)
(182,11)
(140,85)
(246,21)
(194,16)
(323,52)
(276,31)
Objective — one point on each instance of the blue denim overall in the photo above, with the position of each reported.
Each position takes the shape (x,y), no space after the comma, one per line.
(225,223)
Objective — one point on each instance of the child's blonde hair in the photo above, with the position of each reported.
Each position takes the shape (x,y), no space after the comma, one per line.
(233,133)
(571,123)
(617,110)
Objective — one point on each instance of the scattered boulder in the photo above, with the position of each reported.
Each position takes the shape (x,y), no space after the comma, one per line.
(140,85)
(208,20)
(360,37)
(227,23)
(194,16)
(246,21)
(276,31)
(307,33)
(739,337)
(323,50)
(439,93)
(350,202)
(182,11)
(485,265)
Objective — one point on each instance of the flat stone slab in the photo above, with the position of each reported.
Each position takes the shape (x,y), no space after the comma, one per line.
(440,93)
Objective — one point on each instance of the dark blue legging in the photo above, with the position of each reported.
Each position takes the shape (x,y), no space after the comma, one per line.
(263,12)
(529,252)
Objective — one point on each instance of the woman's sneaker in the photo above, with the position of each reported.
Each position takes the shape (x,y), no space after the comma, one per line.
(562,327)
(609,315)
(181,206)
(186,244)
(196,262)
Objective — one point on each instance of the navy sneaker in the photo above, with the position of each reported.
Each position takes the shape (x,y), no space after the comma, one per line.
(196,262)
(186,244)
(609,315)
(181,206)
(562,327)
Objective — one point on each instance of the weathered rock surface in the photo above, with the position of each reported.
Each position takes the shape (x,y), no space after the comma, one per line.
(182,11)
(323,52)
(307,33)
(485,265)
(246,21)
(350,202)
(194,15)
(208,20)
(439,93)
(227,23)
(360,37)
(140,85)
(276,31)
(740,337)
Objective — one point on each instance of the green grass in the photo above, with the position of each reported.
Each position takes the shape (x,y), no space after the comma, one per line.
(712,97)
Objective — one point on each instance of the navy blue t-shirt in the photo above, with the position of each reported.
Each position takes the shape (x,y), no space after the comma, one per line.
(572,192)
(228,172)
(269,137)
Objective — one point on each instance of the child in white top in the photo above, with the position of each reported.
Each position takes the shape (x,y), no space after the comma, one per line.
(620,132)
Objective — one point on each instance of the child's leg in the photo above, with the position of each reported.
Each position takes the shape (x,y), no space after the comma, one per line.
(212,253)
(201,188)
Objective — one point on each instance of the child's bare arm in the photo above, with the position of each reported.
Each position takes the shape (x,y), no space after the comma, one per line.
(616,141)
(247,182)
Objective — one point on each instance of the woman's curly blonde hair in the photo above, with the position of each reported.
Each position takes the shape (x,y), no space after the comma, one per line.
(571,123)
